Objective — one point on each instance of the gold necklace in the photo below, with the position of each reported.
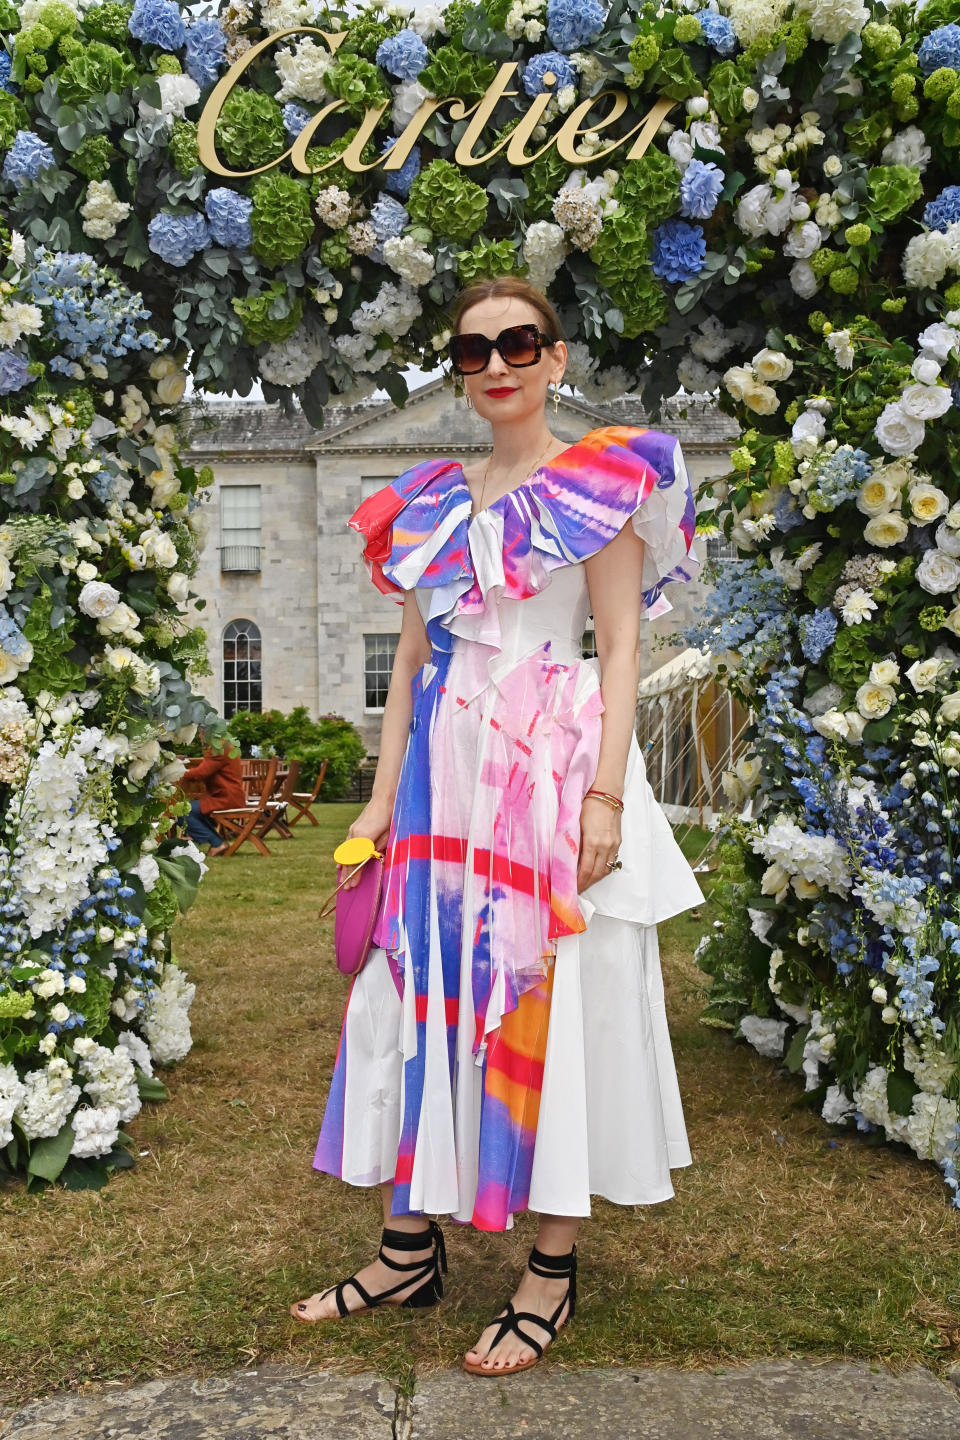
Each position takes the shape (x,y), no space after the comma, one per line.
(532,471)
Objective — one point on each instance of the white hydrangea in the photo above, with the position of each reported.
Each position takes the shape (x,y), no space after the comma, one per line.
(166,1021)
(102,211)
(95,1130)
(137,1049)
(929,1064)
(765,209)
(765,1034)
(837,1107)
(286,14)
(427,21)
(755,19)
(697,378)
(609,384)
(544,249)
(711,341)
(392,311)
(12,1092)
(292,361)
(302,71)
(819,859)
(177,94)
(908,148)
(407,99)
(926,259)
(362,355)
(334,206)
(49,1095)
(932,1126)
(580,362)
(110,1077)
(409,259)
(830,20)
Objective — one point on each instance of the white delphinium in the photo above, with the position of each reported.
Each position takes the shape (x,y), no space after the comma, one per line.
(95,1130)
(909,148)
(12,1093)
(906,915)
(166,1022)
(49,1095)
(102,211)
(766,1035)
(409,259)
(932,1126)
(177,94)
(544,250)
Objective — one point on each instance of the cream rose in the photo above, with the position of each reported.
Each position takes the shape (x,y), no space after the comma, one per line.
(855,724)
(877,495)
(927,503)
(805,889)
(170,389)
(948,540)
(886,530)
(949,710)
(775,879)
(832,723)
(761,399)
(874,701)
(772,366)
(122,621)
(884,672)
(952,622)
(937,573)
(178,587)
(923,673)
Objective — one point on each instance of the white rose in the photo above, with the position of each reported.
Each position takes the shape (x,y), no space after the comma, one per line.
(925,402)
(121,621)
(877,495)
(680,149)
(949,710)
(926,370)
(947,540)
(886,530)
(874,701)
(750,99)
(927,503)
(898,432)
(832,723)
(803,281)
(884,672)
(737,378)
(808,430)
(952,622)
(98,599)
(802,241)
(772,366)
(178,587)
(923,673)
(937,572)
(171,388)
(832,166)
(705,135)
(158,547)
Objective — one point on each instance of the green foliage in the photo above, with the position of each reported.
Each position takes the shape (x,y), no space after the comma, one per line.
(296,736)
(282,220)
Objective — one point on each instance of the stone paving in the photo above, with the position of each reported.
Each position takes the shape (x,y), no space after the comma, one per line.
(786,1399)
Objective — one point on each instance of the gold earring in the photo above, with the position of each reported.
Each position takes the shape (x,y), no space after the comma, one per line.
(468,400)
(556,400)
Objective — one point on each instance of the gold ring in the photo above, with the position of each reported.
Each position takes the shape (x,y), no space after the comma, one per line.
(614,864)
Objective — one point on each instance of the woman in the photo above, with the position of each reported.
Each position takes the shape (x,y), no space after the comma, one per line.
(506,1045)
(223,789)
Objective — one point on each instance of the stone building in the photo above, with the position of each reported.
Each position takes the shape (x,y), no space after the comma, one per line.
(291,616)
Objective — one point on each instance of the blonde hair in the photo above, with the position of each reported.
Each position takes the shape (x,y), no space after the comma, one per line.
(508,287)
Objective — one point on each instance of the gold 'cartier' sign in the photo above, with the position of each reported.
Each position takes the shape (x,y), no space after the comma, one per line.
(514,144)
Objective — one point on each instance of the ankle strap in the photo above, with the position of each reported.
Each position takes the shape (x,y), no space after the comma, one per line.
(552,1267)
(415,1240)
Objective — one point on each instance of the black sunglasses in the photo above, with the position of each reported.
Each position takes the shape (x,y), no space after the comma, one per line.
(518,345)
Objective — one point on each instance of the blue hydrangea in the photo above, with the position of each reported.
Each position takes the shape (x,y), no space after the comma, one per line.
(206,51)
(700,188)
(940,48)
(157,22)
(571,24)
(13,372)
(12,638)
(6,66)
(718,31)
(840,476)
(91,311)
(817,633)
(944,210)
(540,65)
(294,118)
(177,238)
(399,181)
(403,55)
(678,251)
(27,156)
(388,217)
(229,217)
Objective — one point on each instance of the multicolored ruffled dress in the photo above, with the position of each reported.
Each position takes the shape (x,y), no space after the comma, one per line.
(506,1046)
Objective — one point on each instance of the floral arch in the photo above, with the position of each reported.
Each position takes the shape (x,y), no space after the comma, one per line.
(783,229)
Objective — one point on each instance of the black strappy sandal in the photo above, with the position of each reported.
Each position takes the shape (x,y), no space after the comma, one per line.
(551,1267)
(430,1273)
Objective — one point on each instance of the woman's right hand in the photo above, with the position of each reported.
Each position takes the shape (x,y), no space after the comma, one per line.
(373,823)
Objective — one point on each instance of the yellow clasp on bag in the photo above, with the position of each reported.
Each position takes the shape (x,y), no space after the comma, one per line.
(354,852)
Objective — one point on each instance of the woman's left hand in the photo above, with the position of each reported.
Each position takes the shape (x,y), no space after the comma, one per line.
(599,841)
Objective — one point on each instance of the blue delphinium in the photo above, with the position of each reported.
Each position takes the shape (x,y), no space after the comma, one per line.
(157,22)
(817,633)
(206,51)
(403,55)
(678,251)
(229,217)
(13,372)
(700,188)
(572,24)
(940,48)
(388,217)
(399,181)
(6,65)
(27,156)
(718,31)
(294,118)
(177,238)
(944,210)
(840,476)
(539,66)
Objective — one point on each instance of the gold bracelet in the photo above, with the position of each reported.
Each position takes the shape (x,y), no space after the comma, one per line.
(610,800)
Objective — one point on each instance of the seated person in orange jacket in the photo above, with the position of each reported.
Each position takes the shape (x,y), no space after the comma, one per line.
(222,776)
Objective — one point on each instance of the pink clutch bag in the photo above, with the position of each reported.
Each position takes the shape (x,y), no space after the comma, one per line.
(356,913)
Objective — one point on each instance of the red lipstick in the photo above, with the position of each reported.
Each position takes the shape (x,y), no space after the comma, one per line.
(499,391)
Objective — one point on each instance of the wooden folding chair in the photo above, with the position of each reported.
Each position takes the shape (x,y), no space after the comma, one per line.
(253,776)
(301,801)
(275,817)
(241,824)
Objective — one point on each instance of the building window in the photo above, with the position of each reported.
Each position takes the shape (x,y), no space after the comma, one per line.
(720,548)
(588,645)
(378,653)
(242,683)
(240,527)
(370,484)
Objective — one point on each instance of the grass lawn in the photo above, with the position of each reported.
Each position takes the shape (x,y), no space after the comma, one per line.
(785,1236)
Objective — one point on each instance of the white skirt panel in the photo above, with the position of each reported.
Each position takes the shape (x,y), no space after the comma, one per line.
(611,1119)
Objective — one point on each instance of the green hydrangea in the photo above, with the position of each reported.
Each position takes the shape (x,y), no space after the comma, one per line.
(496,12)
(162,907)
(642,304)
(336,253)
(850,656)
(59,18)
(622,249)
(98,69)
(282,220)
(487,259)
(883,40)
(68,46)
(357,82)
(844,280)
(367,32)
(269,317)
(13,117)
(784,463)
(892,190)
(726,87)
(643,55)
(650,186)
(941,83)
(14,1004)
(250,130)
(903,87)
(108,21)
(455,17)
(934,14)
(687,29)
(447,203)
(167,65)
(856,235)
(952,296)
(9,17)
(793,35)
(452,70)
(953,105)
(183,146)
(319,155)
